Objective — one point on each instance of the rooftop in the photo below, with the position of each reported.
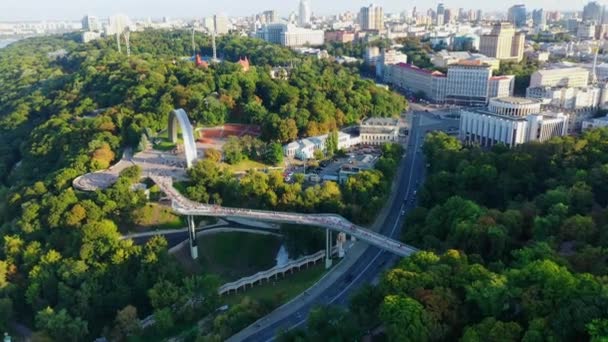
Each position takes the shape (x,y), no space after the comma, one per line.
(516,100)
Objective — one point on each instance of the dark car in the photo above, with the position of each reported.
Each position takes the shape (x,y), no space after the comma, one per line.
(349,277)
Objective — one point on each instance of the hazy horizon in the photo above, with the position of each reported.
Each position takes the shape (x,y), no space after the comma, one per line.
(74,9)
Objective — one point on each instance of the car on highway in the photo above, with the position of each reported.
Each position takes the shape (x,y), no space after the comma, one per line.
(349,277)
(402,212)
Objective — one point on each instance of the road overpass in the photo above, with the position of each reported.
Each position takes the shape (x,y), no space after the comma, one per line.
(184,206)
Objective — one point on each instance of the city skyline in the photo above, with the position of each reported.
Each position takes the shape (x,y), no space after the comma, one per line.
(73,10)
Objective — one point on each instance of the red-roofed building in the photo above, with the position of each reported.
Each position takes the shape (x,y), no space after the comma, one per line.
(199,62)
(244,63)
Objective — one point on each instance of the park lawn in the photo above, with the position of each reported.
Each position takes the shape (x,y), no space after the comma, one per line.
(282,290)
(155,216)
(235,255)
(246,165)
(164,145)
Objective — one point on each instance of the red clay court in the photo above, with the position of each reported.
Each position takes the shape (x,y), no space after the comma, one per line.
(212,134)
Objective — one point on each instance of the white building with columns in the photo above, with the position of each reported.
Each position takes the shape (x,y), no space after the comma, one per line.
(511,121)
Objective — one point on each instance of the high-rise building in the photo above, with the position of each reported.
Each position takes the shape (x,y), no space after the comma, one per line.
(448,16)
(372,17)
(90,24)
(479,15)
(304,13)
(440,15)
(220,24)
(539,18)
(517,15)
(503,43)
(268,17)
(592,12)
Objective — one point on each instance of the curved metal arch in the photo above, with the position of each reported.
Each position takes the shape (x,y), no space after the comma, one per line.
(180,116)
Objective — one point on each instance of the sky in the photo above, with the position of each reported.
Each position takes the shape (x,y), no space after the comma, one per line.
(14,10)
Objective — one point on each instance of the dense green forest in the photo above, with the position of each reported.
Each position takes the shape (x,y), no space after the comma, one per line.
(359,198)
(516,247)
(68,108)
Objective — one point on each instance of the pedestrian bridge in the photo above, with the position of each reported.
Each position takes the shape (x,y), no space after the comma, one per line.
(184,206)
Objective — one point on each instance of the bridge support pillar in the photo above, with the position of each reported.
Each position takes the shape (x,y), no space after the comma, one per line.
(328,251)
(192,238)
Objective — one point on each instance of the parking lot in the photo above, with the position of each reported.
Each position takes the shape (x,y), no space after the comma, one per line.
(328,169)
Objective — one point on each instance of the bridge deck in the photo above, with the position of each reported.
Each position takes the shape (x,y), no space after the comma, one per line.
(184,206)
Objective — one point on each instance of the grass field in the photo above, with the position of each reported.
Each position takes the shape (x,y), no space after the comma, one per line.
(245,165)
(236,255)
(154,216)
(282,290)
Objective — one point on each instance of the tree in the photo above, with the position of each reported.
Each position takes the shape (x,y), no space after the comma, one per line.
(274,154)
(318,154)
(404,318)
(164,294)
(288,131)
(213,155)
(493,331)
(126,322)
(233,151)
(60,325)
(6,313)
(331,145)
(164,320)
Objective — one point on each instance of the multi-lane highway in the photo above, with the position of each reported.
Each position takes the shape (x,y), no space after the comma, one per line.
(373,261)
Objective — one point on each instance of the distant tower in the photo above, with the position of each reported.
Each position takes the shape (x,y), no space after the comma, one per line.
(193,46)
(118,42)
(304,13)
(214,47)
(127,36)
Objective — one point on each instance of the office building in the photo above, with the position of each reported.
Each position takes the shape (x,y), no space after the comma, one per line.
(220,24)
(563,77)
(511,121)
(592,12)
(372,53)
(585,30)
(467,83)
(304,13)
(568,98)
(371,18)
(440,15)
(501,86)
(268,17)
(539,18)
(339,36)
(503,43)
(517,15)
(290,35)
(466,42)
(444,58)
(378,131)
(592,123)
(90,24)
(389,57)
(89,36)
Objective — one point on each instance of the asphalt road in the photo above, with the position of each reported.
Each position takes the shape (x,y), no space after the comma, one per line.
(373,261)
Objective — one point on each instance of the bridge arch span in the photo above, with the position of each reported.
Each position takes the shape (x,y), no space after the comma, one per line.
(180,117)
